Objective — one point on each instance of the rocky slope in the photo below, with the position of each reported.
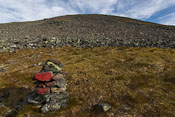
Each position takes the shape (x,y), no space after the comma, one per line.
(85,31)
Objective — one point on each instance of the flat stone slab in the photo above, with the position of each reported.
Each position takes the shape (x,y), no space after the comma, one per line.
(43,76)
(36,99)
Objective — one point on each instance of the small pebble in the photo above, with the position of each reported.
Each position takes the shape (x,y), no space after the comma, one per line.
(37,64)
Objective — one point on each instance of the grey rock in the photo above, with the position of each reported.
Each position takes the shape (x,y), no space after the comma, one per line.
(58,76)
(59,97)
(36,99)
(61,83)
(50,107)
(55,102)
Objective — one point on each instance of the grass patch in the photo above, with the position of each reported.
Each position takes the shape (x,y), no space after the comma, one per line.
(134,81)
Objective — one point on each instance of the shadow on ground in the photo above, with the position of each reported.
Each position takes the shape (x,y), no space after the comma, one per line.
(13,99)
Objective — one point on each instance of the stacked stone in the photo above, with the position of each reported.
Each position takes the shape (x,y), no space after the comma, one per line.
(50,91)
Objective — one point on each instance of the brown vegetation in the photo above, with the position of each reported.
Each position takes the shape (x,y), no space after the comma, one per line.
(134,81)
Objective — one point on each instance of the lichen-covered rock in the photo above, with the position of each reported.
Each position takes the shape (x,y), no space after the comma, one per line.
(52,65)
(101,107)
(55,102)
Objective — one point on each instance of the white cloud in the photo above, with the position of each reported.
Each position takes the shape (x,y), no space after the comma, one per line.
(28,10)
(93,6)
(168,19)
(141,9)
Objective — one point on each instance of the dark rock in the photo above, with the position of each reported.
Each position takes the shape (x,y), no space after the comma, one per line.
(101,107)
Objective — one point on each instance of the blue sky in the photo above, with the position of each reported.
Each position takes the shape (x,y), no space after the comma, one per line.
(158,11)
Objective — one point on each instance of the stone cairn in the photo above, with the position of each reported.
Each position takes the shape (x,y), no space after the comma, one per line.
(50,91)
